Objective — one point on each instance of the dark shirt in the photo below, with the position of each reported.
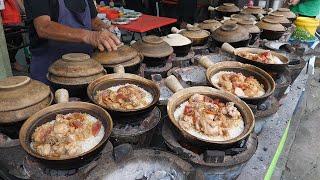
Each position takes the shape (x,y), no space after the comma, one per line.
(36,8)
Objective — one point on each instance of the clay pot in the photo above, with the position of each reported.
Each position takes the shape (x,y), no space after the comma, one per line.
(126,56)
(210,25)
(254,30)
(21,97)
(271,29)
(74,72)
(279,18)
(154,50)
(286,13)
(198,36)
(231,33)
(254,10)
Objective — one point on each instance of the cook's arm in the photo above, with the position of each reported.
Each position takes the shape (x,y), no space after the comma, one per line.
(48,29)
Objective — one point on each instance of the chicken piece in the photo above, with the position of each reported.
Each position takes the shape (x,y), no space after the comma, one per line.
(72,149)
(44,149)
(232,110)
(41,132)
(61,128)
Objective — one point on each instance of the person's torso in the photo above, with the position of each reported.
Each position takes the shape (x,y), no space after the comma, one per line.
(76,6)
(307,8)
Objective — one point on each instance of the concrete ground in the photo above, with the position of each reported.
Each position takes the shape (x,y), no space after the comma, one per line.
(301,157)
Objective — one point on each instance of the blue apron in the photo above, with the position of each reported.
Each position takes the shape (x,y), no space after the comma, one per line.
(43,57)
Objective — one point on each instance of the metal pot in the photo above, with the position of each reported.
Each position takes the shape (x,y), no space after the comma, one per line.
(247,70)
(74,72)
(20,97)
(181,95)
(121,78)
(231,33)
(47,115)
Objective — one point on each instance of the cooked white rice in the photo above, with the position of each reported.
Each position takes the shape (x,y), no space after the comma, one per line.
(91,142)
(235,131)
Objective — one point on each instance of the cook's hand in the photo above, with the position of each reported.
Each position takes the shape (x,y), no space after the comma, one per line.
(294,2)
(102,40)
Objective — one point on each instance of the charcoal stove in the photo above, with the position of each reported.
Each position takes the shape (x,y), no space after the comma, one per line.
(295,68)
(283,81)
(16,163)
(184,61)
(11,159)
(36,170)
(204,49)
(215,164)
(138,133)
(161,69)
(140,164)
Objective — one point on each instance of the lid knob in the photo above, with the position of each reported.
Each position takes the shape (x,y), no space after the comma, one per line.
(228,4)
(75,57)
(14,81)
(152,39)
(229,27)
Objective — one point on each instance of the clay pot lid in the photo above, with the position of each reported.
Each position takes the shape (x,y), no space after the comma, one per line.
(286,12)
(254,10)
(238,17)
(283,9)
(250,25)
(279,17)
(19,92)
(271,25)
(75,65)
(230,32)
(122,54)
(228,7)
(210,24)
(153,46)
(195,33)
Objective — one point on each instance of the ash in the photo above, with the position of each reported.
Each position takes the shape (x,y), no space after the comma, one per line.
(192,74)
(144,170)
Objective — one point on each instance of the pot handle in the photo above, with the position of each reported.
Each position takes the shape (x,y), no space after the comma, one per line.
(189,26)
(61,96)
(205,62)
(211,8)
(227,48)
(175,30)
(173,83)
(119,69)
